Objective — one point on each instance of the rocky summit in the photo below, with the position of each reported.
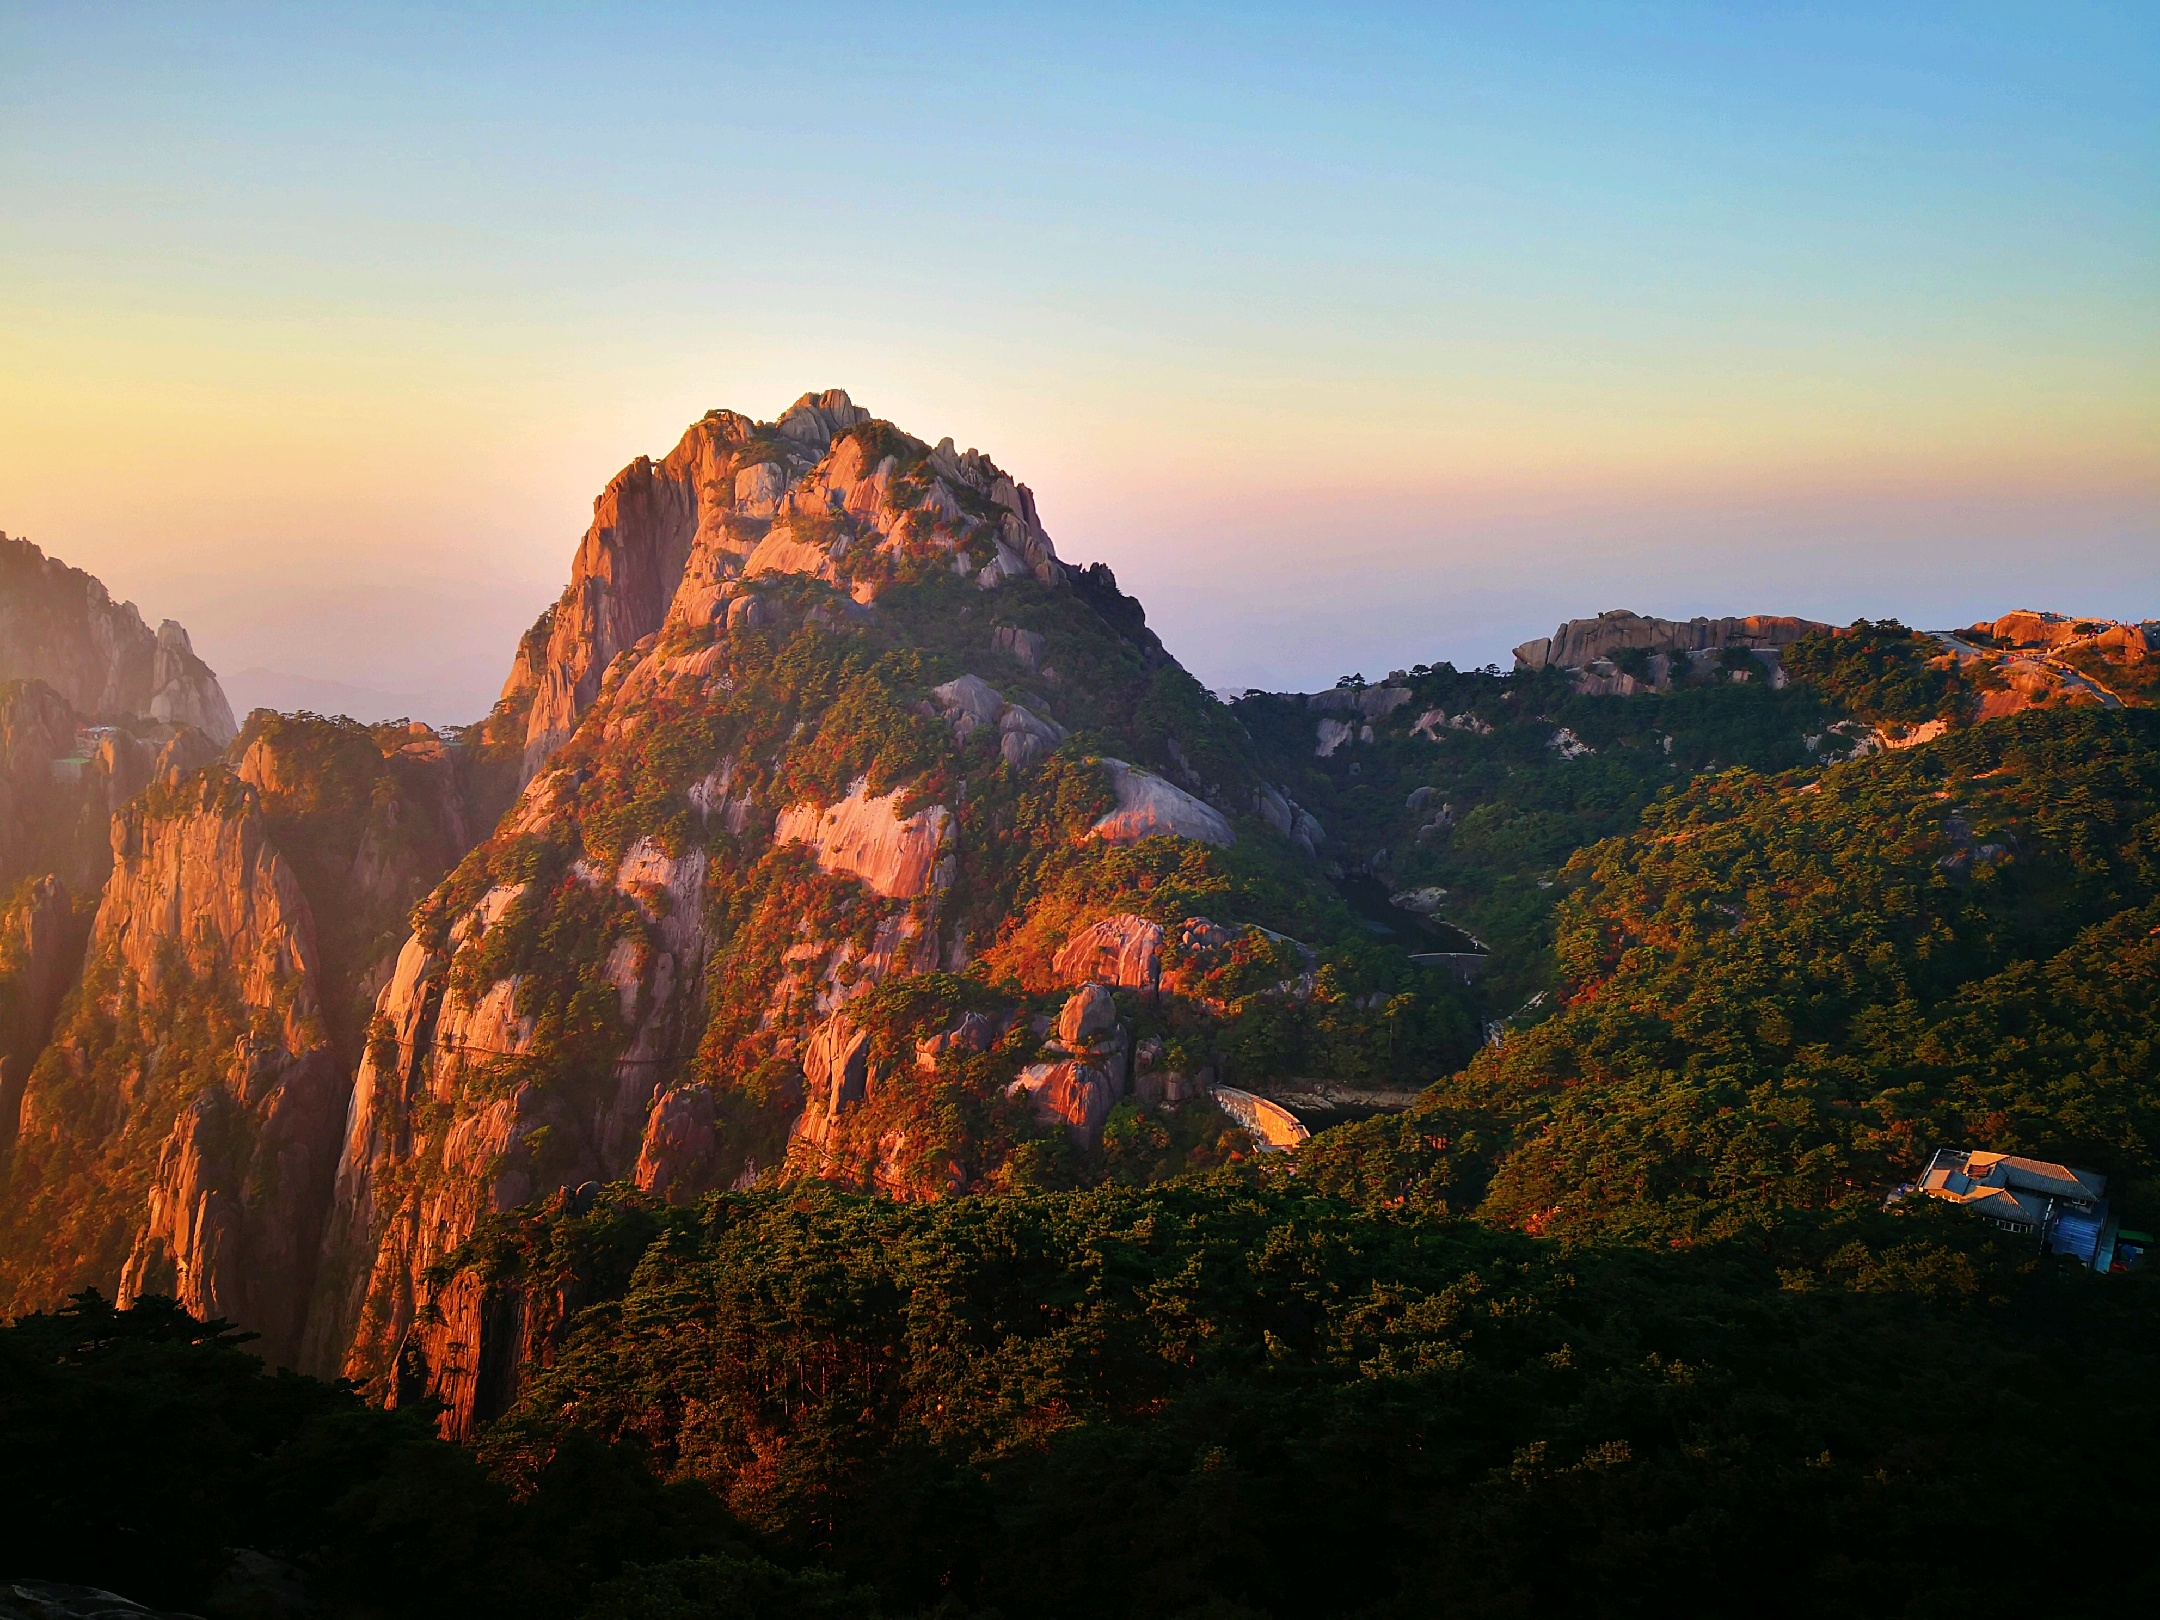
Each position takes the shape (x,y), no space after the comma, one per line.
(859,1060)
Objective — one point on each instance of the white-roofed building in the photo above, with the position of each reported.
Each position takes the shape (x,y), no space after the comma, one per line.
(2065,1209)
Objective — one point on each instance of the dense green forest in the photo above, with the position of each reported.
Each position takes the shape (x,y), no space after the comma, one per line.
(1222,1397)
(1783,993)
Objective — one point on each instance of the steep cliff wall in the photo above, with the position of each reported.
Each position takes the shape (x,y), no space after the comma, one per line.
(60,626)
(180,1130)
(370,817)
(40,951)
(179,1133)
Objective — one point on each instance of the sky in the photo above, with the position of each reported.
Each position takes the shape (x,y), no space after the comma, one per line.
(1350,337)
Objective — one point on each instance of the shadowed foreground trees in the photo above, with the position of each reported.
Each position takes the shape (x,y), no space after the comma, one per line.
(1216,1397)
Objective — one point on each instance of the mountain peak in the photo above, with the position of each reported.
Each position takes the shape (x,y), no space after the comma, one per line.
(61,626)
(826,491)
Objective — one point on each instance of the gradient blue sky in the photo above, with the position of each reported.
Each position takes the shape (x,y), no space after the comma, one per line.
(1350,338)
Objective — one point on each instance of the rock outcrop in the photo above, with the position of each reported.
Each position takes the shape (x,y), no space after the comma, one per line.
(1124,950)
(2062,632)
(2029,660)
(1150,807)
(1580,642)
(972,704)
(1078,1090)
(475,1093)
(868,838)
(60,626)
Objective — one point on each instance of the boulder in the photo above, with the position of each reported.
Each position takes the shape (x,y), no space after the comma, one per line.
(1025,737)
(973,1033)
(1149,806)
(1089,1011)
(1124,950)
(1024,646)
(1076,1095)
(751,612)
(867,838)
(969,702)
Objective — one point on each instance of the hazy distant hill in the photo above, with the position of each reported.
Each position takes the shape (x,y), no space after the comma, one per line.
(59,626)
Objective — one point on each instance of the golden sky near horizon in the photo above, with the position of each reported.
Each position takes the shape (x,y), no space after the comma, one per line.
(1395,341)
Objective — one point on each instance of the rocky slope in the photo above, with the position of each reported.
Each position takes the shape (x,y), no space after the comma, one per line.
(2020,661)
(2035,660)
(58,625)
(822,722)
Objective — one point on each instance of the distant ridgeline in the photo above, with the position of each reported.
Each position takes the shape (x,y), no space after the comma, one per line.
(778,1053)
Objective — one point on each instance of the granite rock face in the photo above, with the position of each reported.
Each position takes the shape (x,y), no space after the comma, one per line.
(1124,950)
(494,1071)
(751,781)
(40,951)
(177,1135)
(1149,806)
(59,625)
(1079,1089)
(867,838)
(180,1128)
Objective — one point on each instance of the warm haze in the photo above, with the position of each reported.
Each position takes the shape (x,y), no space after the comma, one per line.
(1346,340)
